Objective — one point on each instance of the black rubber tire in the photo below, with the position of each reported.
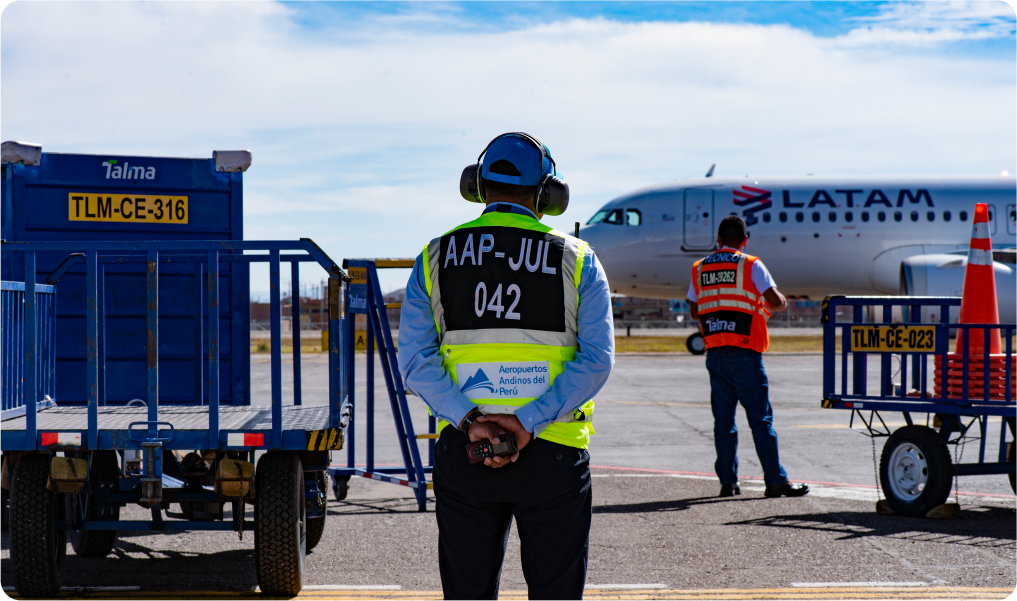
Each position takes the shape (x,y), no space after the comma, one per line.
(96,543)
(341,487)
(938,470)
(695,344)
(5,499)
(280,539)
(1011,457)
(37,547)
(316,526)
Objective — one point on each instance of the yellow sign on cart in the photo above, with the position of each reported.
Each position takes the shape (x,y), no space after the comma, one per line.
(893,339)
(127,208)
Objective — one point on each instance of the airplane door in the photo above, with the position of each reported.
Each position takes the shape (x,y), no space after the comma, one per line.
(698,226)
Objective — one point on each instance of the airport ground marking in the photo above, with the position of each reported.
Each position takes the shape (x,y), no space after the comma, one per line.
(698,405)
(822,592)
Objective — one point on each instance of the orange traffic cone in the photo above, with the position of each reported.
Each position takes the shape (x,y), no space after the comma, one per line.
(978,305)
(978,299)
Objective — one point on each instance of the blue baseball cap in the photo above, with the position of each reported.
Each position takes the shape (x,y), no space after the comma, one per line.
(530,163)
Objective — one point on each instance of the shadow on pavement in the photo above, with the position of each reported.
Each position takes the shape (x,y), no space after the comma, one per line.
(376,506)
(131,564)
(991,527)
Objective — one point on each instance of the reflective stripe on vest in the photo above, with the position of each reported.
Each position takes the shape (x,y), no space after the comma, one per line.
(731,311)
(507,319)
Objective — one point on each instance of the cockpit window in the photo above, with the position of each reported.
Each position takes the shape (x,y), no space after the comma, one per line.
(597,217)
(615,217)
(633,217)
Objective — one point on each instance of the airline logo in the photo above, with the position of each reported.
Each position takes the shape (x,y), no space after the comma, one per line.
(508,380)
(756,199)
(125,171)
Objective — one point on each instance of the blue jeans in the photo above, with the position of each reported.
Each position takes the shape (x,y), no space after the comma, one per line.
(737,374)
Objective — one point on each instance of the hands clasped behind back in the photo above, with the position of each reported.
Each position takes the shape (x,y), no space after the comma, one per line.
(492,426)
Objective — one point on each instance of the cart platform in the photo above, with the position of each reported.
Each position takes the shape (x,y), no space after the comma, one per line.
(190,424)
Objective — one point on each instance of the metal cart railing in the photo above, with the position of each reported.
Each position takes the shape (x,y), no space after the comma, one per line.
(78,465)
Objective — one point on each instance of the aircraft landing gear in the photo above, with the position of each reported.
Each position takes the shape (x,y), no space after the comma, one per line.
(695,344)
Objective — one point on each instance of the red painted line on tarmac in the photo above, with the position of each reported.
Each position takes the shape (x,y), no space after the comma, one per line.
(639,469)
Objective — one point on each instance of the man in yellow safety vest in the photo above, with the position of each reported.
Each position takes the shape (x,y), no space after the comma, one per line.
(506,329)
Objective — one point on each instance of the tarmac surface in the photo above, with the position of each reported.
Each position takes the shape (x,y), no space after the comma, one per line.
(658,528)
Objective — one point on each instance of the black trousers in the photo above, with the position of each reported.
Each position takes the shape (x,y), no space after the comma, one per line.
(548,492)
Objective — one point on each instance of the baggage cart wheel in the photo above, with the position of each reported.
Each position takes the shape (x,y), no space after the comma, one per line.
(5,493)
(915,471)
(37,547)
(95,543)
(316,526)
(695,344)
(280,513)
(340,487)
(5,498)
(1011,457)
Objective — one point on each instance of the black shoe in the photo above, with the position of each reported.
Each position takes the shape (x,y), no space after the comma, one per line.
(730,490)
(786,489)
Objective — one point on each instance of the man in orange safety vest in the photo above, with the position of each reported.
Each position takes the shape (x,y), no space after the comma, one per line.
(732,295)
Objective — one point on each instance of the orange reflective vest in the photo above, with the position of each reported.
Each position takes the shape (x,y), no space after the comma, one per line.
(731,311)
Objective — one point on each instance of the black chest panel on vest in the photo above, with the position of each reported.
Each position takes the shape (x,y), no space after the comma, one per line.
(501,277)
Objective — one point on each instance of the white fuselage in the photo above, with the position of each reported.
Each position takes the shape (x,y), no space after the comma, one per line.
(817,235)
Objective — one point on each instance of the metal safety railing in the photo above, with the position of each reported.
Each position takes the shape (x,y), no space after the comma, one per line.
(365,297)
(206,256)
(919,347)
(21,338)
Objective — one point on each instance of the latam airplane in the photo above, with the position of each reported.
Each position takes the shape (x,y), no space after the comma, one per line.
(855,235)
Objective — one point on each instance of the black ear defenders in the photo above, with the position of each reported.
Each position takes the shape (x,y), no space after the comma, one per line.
(551,197)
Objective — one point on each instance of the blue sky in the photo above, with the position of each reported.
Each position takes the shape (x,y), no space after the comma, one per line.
(821,18)
(361,115)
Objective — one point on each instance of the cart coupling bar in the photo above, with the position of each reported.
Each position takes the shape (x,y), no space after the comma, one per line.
(131,431)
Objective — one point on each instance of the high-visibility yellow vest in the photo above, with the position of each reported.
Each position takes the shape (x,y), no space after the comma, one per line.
(731,311)
(504,291)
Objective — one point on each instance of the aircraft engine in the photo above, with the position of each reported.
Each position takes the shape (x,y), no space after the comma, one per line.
(943,275)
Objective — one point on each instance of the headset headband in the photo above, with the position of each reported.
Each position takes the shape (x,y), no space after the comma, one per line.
(532,140)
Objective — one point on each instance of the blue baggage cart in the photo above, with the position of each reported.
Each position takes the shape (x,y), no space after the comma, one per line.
(76,466)
(83,197)
(916,470)
(169,314)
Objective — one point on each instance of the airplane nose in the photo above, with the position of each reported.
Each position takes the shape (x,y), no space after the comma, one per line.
(597,236)
(590,234)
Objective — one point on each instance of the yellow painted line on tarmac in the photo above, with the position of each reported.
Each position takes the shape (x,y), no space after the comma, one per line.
(873,592)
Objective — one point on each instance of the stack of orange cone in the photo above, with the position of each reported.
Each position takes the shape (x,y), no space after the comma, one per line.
(978,305)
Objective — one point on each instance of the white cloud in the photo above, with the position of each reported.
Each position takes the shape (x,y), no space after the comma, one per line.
(359,135)
(931,23)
